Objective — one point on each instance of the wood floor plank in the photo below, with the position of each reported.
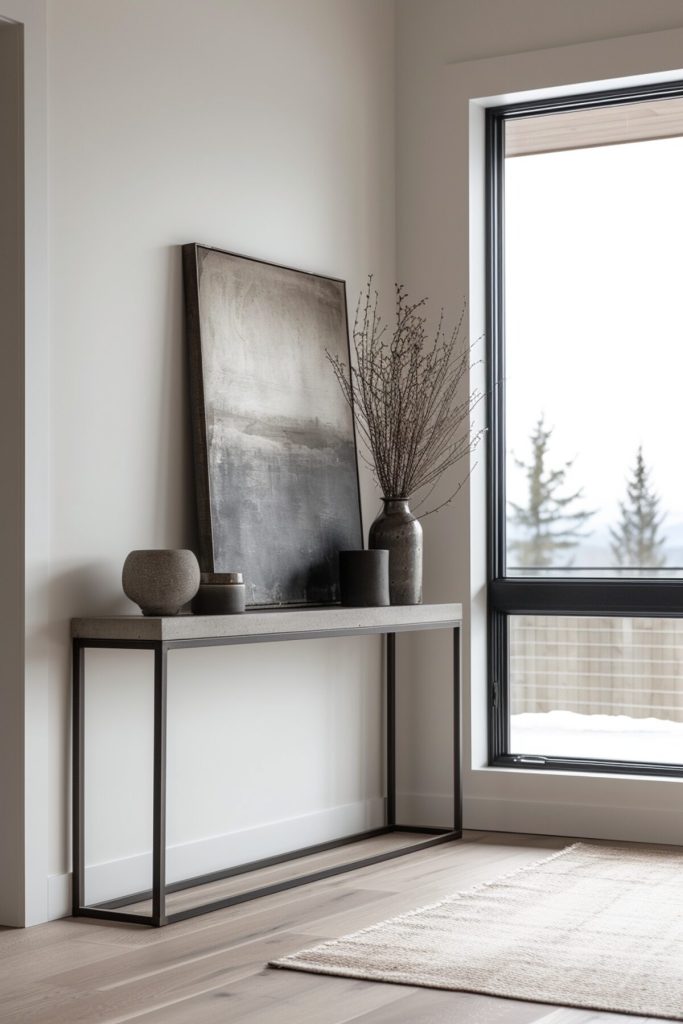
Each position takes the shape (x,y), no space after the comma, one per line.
(404,872)
(130,965)
(566,1015)
(449,878)
(281,997)
(19,970)
(131,935)
(126,999)
(428,1006)
(43,936)
(225,887)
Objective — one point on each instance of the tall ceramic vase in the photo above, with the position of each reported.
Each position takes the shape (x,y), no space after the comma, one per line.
(397,529)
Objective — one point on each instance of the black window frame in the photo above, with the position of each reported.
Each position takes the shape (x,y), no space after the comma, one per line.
(559,596)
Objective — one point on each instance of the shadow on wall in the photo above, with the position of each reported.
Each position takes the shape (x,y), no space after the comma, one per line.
(85,590)
(175,513)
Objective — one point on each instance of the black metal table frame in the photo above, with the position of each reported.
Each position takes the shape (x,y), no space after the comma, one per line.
(109,911)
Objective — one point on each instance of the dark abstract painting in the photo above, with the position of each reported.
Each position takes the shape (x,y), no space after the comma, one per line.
(275,453)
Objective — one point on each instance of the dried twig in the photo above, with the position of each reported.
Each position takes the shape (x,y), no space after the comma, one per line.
(405,393)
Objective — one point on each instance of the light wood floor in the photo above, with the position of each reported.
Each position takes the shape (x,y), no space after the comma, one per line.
(200,895)
(212,969)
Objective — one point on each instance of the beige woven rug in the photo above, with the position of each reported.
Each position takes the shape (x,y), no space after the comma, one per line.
(596,927)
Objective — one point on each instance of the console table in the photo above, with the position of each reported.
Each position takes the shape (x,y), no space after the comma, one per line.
(162,635)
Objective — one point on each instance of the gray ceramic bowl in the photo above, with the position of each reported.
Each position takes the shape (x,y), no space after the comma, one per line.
(161,581)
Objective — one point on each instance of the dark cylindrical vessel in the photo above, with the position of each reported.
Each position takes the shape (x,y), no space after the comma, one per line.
(397,529)
(364,578)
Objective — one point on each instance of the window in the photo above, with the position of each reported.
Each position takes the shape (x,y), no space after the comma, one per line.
(585,335)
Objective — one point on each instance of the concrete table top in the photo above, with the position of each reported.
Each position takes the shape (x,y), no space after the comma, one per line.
(264,623)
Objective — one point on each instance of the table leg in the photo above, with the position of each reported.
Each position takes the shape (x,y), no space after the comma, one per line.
(457,732)
(159,811)
(77,777)
(391,729)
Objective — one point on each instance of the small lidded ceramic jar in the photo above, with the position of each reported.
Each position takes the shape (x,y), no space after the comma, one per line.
(220,593)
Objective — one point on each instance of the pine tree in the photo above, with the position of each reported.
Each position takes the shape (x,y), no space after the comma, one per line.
(636,541)
(550,523)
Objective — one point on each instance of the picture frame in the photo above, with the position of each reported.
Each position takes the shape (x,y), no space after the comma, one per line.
(275,455)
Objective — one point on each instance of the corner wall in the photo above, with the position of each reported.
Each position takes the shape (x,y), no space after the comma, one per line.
(12,470)
(25,404)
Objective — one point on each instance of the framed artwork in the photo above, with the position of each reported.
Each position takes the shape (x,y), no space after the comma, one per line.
(274,440)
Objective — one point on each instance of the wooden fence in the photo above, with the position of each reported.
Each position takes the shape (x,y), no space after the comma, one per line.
(596,666)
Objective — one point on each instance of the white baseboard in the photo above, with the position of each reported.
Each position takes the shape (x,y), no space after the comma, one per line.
(128,875)
(636,824)
(184,860)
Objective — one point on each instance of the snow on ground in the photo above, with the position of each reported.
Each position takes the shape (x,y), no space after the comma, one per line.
(611,737)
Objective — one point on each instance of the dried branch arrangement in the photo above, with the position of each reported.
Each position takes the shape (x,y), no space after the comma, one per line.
(405,393)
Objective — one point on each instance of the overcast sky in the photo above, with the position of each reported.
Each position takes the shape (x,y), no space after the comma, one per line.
(594,299)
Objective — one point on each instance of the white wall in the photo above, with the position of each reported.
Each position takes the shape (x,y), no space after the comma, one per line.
(265,128)
(452,59)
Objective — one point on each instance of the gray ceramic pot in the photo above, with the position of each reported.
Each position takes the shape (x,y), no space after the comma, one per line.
(397,529)
(161,581)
